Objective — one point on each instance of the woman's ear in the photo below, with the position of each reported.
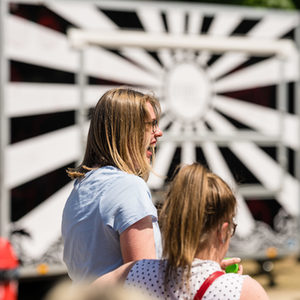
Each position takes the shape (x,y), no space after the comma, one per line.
(224,233)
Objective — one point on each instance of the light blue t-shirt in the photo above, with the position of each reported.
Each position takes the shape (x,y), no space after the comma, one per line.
(100,207)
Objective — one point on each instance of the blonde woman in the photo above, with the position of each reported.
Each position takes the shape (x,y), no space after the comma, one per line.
(109,218)
(197,222)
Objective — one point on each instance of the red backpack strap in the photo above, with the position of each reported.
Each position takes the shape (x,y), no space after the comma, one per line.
(205,285)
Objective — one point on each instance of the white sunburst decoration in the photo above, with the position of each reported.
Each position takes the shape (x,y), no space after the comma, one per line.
(189,99)
(199,60)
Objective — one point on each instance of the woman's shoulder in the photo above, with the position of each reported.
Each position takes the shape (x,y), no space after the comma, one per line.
(126,192)
(128,181)
(252,289)
(113,175)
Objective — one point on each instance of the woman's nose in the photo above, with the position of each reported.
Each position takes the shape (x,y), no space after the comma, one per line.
(158,132)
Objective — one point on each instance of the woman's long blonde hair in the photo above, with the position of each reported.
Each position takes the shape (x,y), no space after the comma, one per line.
(197,203)
(117,133)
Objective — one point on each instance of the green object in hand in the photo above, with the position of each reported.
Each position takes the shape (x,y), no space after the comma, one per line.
(232,268)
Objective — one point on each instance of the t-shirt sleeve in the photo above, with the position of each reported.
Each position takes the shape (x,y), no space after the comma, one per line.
(126,201)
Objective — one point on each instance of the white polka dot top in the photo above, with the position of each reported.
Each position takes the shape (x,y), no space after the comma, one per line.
(148,275)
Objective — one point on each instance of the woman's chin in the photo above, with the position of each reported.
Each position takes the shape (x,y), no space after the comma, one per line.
(149,156)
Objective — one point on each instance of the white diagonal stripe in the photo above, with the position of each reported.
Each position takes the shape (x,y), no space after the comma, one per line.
(37,156)
(263,119)
(34,44)
(268,171)
(43,223)
(264,73)
(218,165)
(82,15)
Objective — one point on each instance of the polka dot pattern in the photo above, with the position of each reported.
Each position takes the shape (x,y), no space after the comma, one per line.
(148,275)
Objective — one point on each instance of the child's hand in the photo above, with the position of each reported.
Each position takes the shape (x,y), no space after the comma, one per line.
(231,261)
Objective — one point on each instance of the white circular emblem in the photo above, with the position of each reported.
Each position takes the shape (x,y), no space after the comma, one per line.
(188,91)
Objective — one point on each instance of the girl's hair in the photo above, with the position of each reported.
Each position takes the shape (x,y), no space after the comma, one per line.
(117,133)
(197,203)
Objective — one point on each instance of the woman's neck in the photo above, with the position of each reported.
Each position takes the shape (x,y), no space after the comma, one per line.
(210,253)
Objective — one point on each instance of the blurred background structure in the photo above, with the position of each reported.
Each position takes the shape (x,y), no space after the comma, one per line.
(228,81)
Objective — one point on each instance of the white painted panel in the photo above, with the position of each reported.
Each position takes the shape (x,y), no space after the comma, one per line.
(34,44)
(261,74)
(201,128)
(194,22)
(263,119)
(39,45)
(218,165)
(87,16)
(225,63)
(268,172)
(271,26)
(43,223)
(274,26)
(291,136)
(107,65)
(176,21)
(166,58)
(216,162)
(93,93)
(144,59)
(37,156)
(163,159)
(188,152)
(219,123)
(164,121)
(25,99)
(39,98)
(222,25)
(176,25)
(152,21)
(82,14)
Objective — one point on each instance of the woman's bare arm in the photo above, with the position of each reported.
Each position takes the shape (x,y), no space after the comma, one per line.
(137,241)
(117,276)
(251,289)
